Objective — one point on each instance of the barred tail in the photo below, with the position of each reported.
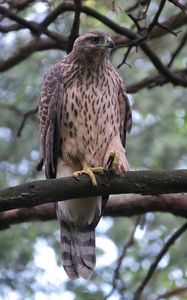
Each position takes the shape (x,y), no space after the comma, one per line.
(78,251)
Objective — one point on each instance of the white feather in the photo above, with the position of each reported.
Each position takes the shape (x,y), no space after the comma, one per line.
(81,210)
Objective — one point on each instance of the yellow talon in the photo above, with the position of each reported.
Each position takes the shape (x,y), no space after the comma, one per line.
(90,172)
(113,161)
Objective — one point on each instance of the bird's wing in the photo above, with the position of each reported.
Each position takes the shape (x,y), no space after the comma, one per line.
(125,114)
(50,105)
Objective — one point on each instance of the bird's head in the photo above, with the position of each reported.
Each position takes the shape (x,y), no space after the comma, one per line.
(94,43)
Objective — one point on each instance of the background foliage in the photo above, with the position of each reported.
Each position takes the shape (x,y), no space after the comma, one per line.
(29,254)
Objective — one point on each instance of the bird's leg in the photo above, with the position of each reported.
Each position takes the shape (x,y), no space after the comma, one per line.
(86,169)
(113,161)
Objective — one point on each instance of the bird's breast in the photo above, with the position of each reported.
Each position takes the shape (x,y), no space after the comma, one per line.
(90,119)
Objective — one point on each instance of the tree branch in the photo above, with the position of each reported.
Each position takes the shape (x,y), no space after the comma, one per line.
(175,79)
(128,243)
(150,81)
(76,24)
(35,28)
(25,117)
(172,22)
(117,206)
(178,49)
(154,265)
(25,51)
(179,4)
(26,24)
(138,182)
(19,4)
(42,28)
(12,27)
(157,15)
(181,291)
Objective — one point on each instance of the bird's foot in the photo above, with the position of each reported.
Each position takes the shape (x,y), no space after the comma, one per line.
(90,172)
(113,161)
(117,162)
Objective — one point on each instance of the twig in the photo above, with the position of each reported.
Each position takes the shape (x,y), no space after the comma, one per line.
(125,58)
(166,28)
(150,81)
(25,117)
(60,9)
(136,42)
(76,23)
(116,7)
(147,6)
(178,49)
(137,4)
(173,78)
(133,7)
(26,24)
(157,15)
(179,5)
(35,28)
(154,265)
(135,20)
(126,245)
(172,23)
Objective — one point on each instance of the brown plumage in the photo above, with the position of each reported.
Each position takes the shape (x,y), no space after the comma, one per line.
(84,115)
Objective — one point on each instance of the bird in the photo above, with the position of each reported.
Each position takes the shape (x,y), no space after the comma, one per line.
(84,115)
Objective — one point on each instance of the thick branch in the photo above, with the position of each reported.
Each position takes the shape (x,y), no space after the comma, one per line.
(26,24)
(25,51)
(12,27)
(42,27)
(138,182)
(117,206)
(173,22)
(20,4)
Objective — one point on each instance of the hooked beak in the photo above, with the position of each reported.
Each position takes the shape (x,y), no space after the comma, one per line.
(110,43)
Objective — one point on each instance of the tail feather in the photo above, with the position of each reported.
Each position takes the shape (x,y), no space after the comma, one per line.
(84,258)
(78,251)
(66,252)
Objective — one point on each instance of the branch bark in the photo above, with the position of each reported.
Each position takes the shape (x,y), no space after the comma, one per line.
(117,206)
(28,49)
(39,28)
(137,182)
(152,81)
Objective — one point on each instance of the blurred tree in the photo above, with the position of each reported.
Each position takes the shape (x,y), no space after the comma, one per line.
(150,38)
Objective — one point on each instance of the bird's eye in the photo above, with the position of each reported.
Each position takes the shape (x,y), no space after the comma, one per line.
(94,40)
